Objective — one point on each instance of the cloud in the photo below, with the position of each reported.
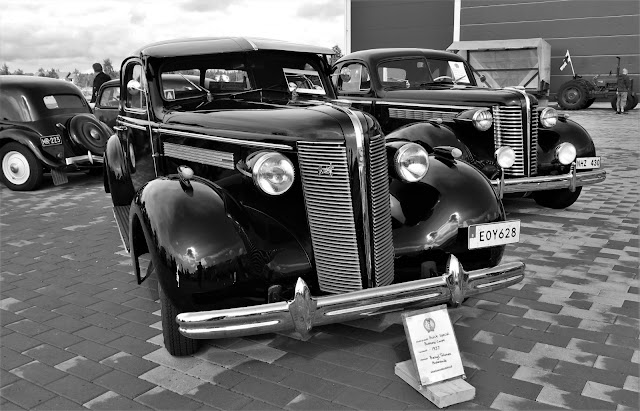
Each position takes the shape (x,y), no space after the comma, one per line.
(208,5)
(326,9)
(136,17)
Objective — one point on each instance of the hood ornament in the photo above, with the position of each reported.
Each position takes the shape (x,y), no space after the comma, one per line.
(325,170)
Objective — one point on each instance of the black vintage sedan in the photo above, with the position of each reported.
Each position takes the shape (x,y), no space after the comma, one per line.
(46,125)
(266,207)
(523,148)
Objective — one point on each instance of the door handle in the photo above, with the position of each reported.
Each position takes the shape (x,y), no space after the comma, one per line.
(120,128)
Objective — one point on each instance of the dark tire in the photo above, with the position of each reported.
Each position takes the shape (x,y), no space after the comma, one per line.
(88,133)
(632,102)
(21,169)
(590,102)
(573,95)
(557,199)
(177,344)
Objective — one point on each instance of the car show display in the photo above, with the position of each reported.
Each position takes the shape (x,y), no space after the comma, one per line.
(524,149)
(46,125)
(265,206)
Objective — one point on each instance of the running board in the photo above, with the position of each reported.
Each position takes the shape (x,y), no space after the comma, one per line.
(121,214)
(59,177)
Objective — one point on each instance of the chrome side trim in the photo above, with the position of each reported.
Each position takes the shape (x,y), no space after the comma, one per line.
(398,103)
(305,311)
(200,155)
(424,115)
(133,123)
(220,139)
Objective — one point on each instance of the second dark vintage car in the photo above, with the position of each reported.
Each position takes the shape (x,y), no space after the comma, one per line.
(266,207)
(523,148)
(46,125)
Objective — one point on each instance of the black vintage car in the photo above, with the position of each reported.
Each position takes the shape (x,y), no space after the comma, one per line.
(266,207)
(523,148)
(46,125)
(108,102)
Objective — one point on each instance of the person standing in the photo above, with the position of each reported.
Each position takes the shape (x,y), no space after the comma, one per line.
(100,78)
(623,88)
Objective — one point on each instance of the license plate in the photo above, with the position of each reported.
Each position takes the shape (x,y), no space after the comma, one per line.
(587,162)
(50,141)
(489,235)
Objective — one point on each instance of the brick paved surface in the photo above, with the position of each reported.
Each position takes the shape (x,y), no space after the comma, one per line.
(77,332)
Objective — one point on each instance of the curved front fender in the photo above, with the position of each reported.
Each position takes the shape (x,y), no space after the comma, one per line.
(565,131)
(116,173)
(431,135)
(207,249)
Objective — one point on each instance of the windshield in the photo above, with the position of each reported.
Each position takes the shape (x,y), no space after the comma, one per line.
(420,72)
(254,75)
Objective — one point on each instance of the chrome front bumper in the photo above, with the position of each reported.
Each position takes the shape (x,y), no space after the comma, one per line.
(305,311)
(83,159)
(571,180)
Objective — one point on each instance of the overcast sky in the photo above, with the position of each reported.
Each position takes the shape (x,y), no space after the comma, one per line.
(69,34)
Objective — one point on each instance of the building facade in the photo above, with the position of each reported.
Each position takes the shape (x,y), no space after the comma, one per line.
(594,32)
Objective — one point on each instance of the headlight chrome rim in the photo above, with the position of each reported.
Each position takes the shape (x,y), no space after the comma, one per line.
(402,165)
(482,119)
(505,156)
(261,179)
(548,117)
(566,153)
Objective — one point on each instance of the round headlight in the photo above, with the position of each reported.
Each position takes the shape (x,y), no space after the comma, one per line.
(482,120)
(412,162)
(505,156)
(273,173)
(548,117)
(566,153)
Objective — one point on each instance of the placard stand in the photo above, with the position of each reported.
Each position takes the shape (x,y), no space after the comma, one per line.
(435,368)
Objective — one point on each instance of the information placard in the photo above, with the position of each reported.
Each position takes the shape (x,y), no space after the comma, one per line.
(433,344)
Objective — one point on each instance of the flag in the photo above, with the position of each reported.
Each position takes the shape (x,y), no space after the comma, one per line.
(565,61)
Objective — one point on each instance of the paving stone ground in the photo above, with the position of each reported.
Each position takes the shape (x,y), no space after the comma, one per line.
(78,332)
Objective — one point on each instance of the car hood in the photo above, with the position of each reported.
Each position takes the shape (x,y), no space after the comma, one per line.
(471,96)
(264,122)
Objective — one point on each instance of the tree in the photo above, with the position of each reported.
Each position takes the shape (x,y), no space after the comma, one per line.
(52,73)
(107,67)
(4,70)
(41,73)
(18,72)
(337,55)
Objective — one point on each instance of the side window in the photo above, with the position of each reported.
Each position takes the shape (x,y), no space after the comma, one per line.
(14,107)
(353,77)
(136,99)
(110,97)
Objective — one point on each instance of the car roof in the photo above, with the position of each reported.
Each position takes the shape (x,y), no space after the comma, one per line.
(384,53)
(212,45)
(38,84)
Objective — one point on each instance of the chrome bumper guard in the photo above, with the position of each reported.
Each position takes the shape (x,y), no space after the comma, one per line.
(83,159)
(571,180)
(305,311)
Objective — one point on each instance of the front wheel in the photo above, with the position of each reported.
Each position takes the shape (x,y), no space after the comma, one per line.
(21,170)
(176,343)
(557,199)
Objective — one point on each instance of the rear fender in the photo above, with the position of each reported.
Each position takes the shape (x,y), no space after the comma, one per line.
(29,139)
(202,242)
(117,177)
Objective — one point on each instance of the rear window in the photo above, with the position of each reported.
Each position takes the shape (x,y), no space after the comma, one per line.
(63,101)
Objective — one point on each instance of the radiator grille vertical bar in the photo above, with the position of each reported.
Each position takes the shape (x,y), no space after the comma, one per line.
(382,234)
(327,192)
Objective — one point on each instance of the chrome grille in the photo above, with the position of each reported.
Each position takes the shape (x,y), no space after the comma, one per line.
(380,212)
(421,114)
(508,131)
(199,155)
(327,193)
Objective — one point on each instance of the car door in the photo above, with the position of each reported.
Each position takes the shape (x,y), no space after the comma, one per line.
(133,125)
(108,104)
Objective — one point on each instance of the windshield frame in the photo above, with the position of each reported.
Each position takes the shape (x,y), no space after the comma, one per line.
(422,85)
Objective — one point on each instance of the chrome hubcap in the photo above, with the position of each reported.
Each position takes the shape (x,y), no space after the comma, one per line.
(15,167)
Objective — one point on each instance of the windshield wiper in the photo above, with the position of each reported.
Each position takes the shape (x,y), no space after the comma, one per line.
(200,88)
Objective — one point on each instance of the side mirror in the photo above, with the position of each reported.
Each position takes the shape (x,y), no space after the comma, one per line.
(134,87)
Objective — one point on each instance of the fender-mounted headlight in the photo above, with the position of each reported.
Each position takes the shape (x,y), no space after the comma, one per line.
(566,153)
(548,117)
(411,162)
(272,172)
(505,156)
(482,119)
